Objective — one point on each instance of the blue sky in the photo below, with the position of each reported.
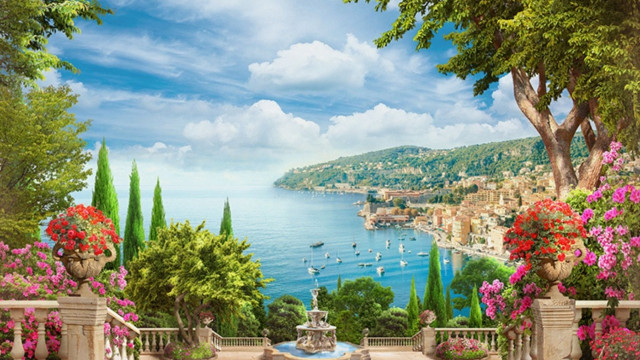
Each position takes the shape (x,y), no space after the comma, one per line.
(227,92)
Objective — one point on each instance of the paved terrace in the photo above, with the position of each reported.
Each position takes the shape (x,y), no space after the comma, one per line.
(375,355)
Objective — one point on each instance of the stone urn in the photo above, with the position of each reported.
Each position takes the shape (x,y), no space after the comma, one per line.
(82,265)
(555,271)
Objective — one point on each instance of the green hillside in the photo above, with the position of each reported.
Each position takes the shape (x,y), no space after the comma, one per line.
(412,167)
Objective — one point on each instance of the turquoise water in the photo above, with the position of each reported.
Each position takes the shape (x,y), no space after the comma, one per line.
(341,349)
(281,224)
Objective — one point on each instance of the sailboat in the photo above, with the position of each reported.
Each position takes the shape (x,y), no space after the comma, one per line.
(378,256)
(326,255)
(446,261)
(380,270)
(403,262)
(388,243)
(401,248)
(311,269)
(338,260)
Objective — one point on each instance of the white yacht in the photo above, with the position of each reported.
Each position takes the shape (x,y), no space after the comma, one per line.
(380,270)
(338,260)
(378,256)
(423,253)
(446,261)
(326,255)
(403,262)
(357,252)
(312,270)
(401,248)
(388,243)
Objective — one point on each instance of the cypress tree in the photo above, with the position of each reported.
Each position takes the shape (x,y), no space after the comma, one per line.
(225,224)
(339,283)
(133,230)
(413,320)
(475,313)
(105,199)
(157,213)
(434,292)
(449,305)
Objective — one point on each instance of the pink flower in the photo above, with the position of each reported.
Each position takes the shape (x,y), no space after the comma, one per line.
(518,275)
(590,259)
(612,213)
(635,196)
(586,215)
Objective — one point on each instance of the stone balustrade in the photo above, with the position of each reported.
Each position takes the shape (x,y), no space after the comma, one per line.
(391,342)
(154,340)
(119,346)
(41,309)
(487,336)
(242,342)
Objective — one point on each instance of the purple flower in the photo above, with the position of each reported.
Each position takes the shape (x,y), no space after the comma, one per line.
(610,214)
(635,196)
(590,258)
(619,195)
(586,215)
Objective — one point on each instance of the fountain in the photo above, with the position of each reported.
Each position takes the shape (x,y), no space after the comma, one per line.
(316,334)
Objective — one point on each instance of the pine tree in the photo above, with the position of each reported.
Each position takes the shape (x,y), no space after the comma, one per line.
(339,283)
(434,292)
(448,304)
(475,313)
(105,199)
(413,319)
(133,230)
(157,213)
(225,224)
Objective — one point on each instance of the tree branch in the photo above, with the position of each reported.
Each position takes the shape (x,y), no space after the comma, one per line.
(176,313)
(589,135)
(574,119)
(527,99)
(542,84)
(193,340)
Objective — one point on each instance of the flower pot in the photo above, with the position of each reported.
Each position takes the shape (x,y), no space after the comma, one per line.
(82,265)
(555,271)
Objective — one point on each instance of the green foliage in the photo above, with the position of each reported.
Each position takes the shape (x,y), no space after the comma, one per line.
(392,323)
(225,224)
(133,229)
(248,324)
(413,319)
(399,203)
(448,304)
(26,26)
(339,283)
(158,219)
(285,313)
(434,292)
(349,329)
(473,274)
(475,313)
(189,270)
(383,168)
(458,322)
(42,159)
(260,313)
(105,198)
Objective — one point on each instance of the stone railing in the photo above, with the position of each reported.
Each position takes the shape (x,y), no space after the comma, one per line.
(155,339)
(242,342)
(487,336)
(418,342)
(41,309)
(120,343)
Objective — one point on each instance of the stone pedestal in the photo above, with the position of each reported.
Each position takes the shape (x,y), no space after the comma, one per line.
(84,319)
(553,320)
(428,341)
(205,335)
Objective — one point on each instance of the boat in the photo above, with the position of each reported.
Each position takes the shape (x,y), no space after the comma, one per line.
(357,252)
(322,267)
(409,251)
(364,264)
(446,261)
(304,260)
(403,262)
(338,260)
(401,248)
(316,244)
(326,255)
(423,253)
(370,250)
(378,256)
(413,238)
(388,243)
(312,270)
(353,244)
(380,270)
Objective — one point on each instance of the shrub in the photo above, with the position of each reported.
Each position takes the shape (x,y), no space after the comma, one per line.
(461,349)
(181,351)
(619,344)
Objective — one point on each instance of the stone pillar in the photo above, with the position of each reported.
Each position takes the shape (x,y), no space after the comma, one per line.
(553,320)
(84,318)
(205,335)
(428,341)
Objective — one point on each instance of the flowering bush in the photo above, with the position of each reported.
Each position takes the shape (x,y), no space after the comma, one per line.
(547,230)
(83,228)
(461,348)
(30,274)
(180,351)
(427,317)
(619,343)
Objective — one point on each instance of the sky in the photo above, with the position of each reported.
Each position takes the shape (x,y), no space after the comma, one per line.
(205,93)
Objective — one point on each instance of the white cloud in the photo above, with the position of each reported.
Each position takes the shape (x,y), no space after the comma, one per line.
(318,67)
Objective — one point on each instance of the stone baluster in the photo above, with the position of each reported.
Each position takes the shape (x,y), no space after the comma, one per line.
(623,314)
(108,351)
(153,341)
(131,349)
(534,344)
(116,352)
(63,351)
(596,315)
(511,350)
(576,351)
(493,341)
(526,349)
(146,341)
(17,315)
(161,341)
(41,348)
(518,344)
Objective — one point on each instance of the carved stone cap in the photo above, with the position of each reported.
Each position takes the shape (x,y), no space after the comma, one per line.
(82,311)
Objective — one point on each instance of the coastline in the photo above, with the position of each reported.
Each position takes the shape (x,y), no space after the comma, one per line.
(442,242)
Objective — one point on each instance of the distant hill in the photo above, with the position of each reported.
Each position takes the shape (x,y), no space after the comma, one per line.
(412,167)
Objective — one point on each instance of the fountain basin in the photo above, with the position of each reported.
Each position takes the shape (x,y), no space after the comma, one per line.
(288,351)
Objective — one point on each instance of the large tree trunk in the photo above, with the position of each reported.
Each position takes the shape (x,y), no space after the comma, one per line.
(557,137)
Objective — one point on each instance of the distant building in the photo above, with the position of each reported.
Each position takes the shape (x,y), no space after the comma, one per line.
(460,229)
(496,238)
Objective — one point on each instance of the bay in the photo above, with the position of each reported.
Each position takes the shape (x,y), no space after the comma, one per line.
(281,224)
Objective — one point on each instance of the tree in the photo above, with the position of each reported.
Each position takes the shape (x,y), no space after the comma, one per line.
(413,319)
(259,313)
(339,283)
(392,323)
(399,203)
(475,313)
(190,271)
(248,325)
(42,159)
(133,229)
(448,304)
(26,26)
(285,313)
(473,274)
(586,49)
(158,219)
(225,224)
(434,292)
(105,198)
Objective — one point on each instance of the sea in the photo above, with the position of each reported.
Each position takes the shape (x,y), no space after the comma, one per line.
(282,224)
